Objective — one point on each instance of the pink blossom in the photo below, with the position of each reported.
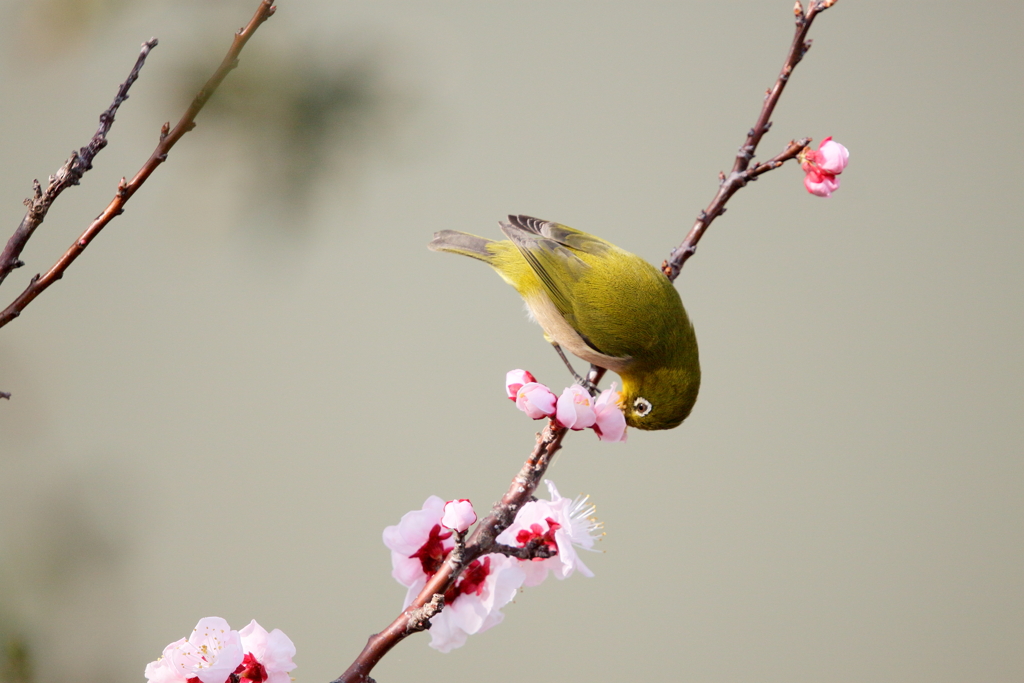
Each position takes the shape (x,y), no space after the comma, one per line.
(562,525)
(212,653)
(418,544)
(268,657)
(515,379)
(474,604)
(610,422)
(536,400)
(576,408)
(822,166)
(418,547)
(458,515)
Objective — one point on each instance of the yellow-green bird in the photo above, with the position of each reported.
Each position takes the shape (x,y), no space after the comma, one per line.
(607,306)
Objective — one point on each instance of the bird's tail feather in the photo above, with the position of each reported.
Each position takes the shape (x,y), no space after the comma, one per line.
(462,243)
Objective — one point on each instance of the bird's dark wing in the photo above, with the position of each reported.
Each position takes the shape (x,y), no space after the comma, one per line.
(563,234)
(555,263)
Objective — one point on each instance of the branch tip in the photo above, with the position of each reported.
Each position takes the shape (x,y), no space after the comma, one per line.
(744,170)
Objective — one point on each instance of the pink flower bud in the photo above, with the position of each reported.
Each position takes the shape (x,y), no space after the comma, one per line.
(458,515)
(514,380)
(536,400)
(822,166)
(576,408)
(832,156)
(611,421)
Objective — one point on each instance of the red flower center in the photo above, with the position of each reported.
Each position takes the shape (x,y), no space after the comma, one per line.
(431,554)
(251,669)
(471,582)
(536,532)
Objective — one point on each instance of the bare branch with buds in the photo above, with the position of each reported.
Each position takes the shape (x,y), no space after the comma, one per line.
(742,172)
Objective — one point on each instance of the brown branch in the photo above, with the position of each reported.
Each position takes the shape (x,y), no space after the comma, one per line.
(484,538)
(67,175)
(125,190)
(742,173)
(481,542)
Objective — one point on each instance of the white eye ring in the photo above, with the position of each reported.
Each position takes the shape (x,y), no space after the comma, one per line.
(642,406)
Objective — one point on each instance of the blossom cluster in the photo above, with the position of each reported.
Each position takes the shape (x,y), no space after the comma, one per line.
(822,166)
(575,409)
(421,541)
(214,653)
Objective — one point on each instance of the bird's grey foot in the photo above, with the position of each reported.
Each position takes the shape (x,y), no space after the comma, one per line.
(584,382)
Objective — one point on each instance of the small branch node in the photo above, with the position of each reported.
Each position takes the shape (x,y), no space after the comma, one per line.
(536,549)
(419,618)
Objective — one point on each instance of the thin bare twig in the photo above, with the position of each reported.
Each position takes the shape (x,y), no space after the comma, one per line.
(67,175)
(742,173)
(125,190)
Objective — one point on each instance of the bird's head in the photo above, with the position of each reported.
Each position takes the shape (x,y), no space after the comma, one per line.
(659,399)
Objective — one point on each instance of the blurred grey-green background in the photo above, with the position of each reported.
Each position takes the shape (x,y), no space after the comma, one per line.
(259,365)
